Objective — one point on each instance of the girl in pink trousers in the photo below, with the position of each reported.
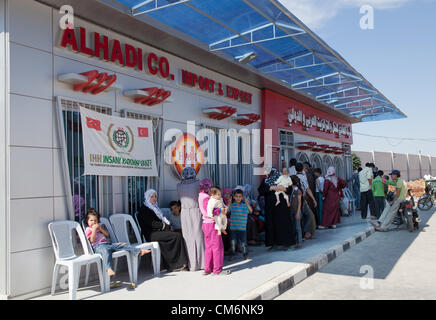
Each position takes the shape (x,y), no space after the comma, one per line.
(214,252)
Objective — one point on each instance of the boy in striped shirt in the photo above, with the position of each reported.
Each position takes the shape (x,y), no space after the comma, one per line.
(238,223)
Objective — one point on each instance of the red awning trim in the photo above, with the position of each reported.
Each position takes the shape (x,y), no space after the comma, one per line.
(305,145)
(90,81)
(247,119)
(149,96)
(220,113)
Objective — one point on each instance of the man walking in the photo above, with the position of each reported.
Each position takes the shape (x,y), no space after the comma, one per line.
(366,197)
(390,212)
(309,225)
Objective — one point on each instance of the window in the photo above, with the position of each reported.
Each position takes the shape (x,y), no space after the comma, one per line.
(339,167)
(302,157)
(86,191)
(225,154)
(286,138)
(327,162)
(316,161)
(136,186)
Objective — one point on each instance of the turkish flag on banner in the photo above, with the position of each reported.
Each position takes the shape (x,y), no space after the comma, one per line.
(93,123)
(143,132)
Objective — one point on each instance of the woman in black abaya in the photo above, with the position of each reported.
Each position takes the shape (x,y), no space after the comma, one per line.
(283,222)
(270,199)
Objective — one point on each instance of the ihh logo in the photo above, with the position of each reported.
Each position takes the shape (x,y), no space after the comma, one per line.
(367,20)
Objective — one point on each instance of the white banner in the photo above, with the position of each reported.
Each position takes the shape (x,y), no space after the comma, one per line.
(115,146)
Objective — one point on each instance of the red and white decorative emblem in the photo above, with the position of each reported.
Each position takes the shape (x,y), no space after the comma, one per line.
(187,153)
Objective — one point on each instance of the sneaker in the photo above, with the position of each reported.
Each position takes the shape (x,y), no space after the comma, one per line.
(132,285)
(246,257)
(222,273)
(206,273)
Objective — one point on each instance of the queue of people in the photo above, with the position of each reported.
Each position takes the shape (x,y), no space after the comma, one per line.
(208,223)
(371,190)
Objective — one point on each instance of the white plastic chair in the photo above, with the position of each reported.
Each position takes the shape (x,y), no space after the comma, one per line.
(115,255)
(62,240)
(119,223)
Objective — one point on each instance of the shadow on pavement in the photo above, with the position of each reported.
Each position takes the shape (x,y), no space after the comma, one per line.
(378,251)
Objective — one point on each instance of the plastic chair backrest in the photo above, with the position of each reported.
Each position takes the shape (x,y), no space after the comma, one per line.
(105,222)
(62,238)
(119,224)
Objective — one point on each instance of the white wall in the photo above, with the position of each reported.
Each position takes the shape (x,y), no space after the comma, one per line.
(4,152)
(412,166)
(37,194)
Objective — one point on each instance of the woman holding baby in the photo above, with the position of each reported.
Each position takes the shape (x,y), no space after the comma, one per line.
(214,248)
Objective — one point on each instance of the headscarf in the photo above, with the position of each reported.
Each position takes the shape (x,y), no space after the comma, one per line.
(205,185)
(247,191)
(155,206)
(331,175)
(188,175)
(272,177)
(226,191)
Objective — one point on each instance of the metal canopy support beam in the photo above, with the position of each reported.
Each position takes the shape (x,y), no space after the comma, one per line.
(156,6)
(327,85)
(346,97)
(278,67)
(342,91)
(249,35)
(360,100)
(322,78)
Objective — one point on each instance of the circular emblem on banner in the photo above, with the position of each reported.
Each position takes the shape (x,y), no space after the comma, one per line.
(187,153)
(120,138)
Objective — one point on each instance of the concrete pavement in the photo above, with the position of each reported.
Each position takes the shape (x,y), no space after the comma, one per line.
(403,266)
(246,275)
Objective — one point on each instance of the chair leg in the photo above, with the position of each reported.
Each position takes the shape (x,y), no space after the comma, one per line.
(100,276)
(115,264)
(155,256)
(55,278)
(73,281)
(135,267)
(132,272)
(88,269)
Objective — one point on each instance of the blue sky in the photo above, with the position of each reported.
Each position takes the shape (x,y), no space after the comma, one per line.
(398,57)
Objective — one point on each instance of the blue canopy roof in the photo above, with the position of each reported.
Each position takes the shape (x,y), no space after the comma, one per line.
(265,35)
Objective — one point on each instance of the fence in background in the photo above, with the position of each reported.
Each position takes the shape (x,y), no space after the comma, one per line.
(412,166)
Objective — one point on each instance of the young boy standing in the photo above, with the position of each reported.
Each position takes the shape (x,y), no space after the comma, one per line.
(238,223)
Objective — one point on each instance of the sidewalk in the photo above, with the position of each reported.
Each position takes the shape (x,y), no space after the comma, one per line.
(249,279)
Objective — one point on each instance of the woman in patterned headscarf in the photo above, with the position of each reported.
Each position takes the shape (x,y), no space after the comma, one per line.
(190,217)
(155,227)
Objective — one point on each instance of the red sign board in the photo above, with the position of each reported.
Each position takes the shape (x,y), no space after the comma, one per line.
(279,112)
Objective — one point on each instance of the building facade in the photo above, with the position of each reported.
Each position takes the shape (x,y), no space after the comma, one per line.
(42,176)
